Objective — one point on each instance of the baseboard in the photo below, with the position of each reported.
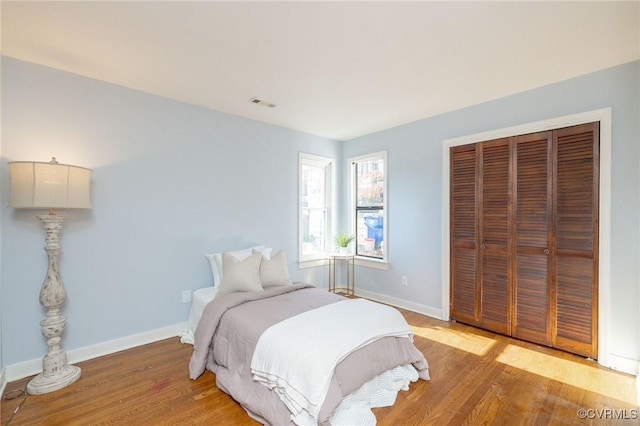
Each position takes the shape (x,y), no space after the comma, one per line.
(638,385)
(400,303)
(620,363)
(29,368)
(3,380)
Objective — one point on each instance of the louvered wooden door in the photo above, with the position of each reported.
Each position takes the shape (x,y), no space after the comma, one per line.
(494,312)
(524,237)
(463,181)
(533,237)
(576,200)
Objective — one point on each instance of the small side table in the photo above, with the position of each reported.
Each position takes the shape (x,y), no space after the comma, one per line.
(349,261)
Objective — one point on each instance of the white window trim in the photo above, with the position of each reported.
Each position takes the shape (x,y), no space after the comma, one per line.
(364,260)
(319,259)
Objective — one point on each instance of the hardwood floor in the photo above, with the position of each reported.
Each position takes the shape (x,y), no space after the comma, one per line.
(477,378)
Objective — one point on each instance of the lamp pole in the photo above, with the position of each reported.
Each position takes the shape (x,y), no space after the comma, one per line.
(56,372)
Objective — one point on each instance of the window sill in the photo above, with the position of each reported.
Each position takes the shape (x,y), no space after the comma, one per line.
(372,263)
(359,261)
(312,263)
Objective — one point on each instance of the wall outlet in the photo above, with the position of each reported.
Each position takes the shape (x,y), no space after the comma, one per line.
(404,281)
(186,296)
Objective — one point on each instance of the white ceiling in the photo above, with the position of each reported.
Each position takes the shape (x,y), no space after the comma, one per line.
(334,69)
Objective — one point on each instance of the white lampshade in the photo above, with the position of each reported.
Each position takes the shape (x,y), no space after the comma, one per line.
(36,185)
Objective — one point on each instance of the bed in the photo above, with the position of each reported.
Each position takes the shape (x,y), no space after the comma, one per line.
(285,354)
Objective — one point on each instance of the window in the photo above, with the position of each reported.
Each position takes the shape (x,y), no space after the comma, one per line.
(316,177)
(368,177)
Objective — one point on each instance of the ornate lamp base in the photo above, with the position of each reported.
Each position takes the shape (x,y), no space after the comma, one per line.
(56,373)
(45,384)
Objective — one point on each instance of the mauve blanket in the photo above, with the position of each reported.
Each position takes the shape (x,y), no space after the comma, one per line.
(229,330)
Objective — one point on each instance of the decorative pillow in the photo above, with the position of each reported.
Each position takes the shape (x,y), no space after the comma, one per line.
(215,260)
(274,271)
(240,275)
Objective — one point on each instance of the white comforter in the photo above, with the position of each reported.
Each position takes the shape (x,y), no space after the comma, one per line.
(326,335)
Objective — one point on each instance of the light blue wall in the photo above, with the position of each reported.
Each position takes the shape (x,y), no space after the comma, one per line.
(171,182)
(415,188)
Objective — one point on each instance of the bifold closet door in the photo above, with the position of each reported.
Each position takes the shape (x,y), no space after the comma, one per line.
(576,201)
(480,292)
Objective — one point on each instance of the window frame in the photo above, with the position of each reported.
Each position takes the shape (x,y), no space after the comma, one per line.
(353,210)
(305,159)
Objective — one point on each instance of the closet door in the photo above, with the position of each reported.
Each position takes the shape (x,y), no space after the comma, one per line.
(533,237)
(576,202)
(494,230)
(463,233)
(524,237)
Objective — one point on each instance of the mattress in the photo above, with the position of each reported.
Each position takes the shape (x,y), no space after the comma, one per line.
(199,300)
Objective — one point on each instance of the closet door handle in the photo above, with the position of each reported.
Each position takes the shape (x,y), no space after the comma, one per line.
(483,246)
(545,251)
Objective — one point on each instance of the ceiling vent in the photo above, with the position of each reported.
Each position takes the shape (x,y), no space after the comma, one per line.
(261,102)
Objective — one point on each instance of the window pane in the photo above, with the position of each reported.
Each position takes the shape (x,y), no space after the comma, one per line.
(370,233)
(315,178)
(370,183)
(313,183)
(313,231)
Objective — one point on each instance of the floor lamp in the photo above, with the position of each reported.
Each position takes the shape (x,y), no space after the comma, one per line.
(51,185)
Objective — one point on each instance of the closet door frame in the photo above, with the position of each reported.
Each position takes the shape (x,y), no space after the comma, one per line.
(604,227)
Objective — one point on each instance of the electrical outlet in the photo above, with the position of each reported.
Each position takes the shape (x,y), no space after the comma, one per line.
(404,281)
(186,296)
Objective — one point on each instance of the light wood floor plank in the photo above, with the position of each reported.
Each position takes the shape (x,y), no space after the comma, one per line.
(477,378)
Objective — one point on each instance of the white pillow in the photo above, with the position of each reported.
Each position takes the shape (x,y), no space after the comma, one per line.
(274,271)
(215,260)
(240,275)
